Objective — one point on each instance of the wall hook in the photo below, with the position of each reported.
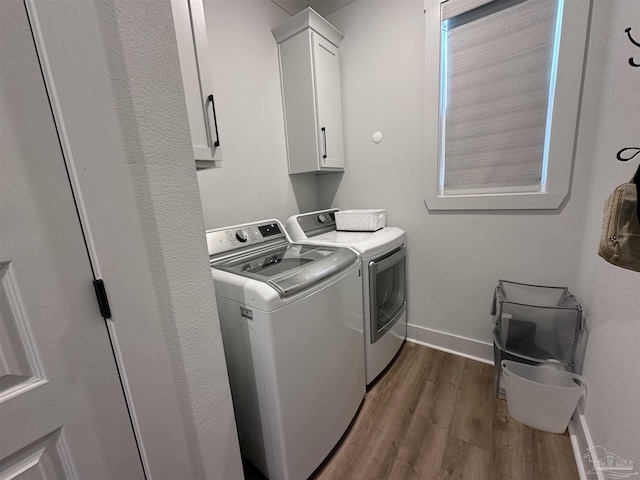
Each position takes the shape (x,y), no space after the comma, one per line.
(628,32)
(625,154)
(637,44)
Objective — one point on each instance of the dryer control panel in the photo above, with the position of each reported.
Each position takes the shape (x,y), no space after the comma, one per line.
(316,223)
(242,236)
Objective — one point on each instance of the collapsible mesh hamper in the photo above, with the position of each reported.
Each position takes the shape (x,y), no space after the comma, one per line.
(535,325)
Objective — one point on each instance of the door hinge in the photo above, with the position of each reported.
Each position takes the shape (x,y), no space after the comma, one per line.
(103,301)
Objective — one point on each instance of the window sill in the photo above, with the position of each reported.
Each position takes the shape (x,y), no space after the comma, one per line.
(505,201)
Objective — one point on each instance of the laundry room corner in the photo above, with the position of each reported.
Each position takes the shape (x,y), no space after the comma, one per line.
(383,91)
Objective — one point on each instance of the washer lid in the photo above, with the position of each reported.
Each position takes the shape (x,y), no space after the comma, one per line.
(291,268)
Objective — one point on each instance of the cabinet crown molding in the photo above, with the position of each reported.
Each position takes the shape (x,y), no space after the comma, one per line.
(308,18)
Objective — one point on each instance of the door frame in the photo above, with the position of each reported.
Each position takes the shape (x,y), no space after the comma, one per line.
(78,85)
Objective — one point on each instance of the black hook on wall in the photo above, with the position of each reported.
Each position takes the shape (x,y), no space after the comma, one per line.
(625,154)
(622,156)
(637,44)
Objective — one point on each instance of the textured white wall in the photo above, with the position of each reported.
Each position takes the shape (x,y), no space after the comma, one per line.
(610,294)
(141,54)
(253,183)
(454,259)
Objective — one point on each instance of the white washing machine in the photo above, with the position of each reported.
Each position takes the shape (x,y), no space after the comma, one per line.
(292,328)
(383,256)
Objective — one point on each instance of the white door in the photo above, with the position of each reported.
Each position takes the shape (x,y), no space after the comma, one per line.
(329,99)
(62,408)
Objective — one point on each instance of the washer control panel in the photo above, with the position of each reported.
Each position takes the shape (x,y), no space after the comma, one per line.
(241,236)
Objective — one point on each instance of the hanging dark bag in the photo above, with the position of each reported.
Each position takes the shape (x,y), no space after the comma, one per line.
(620,240)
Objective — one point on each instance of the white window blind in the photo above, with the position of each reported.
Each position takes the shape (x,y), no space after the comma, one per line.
(497,86)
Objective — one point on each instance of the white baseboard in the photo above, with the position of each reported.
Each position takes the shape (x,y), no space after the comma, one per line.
(447,342)
(581,443)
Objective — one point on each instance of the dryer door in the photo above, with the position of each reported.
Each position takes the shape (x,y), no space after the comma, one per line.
(387,294)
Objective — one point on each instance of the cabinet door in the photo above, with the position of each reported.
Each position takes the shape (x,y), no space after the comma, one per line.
(195,63)
(329,102)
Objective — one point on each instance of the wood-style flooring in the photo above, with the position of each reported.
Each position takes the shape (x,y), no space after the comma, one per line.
(433,415)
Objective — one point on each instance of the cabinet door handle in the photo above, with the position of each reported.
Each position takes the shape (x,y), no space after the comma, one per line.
(215,121)
(324,138)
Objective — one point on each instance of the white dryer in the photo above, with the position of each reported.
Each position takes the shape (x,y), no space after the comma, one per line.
(383,256)
(291,320)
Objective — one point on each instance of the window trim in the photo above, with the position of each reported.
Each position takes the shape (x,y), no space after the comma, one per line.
(564,120)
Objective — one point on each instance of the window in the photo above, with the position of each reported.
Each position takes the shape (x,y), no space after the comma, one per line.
(506,100)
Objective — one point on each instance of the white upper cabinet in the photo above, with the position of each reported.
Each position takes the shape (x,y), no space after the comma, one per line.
(309,52)
(195,63)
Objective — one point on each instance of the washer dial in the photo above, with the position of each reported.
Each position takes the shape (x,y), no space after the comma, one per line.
(242,236)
